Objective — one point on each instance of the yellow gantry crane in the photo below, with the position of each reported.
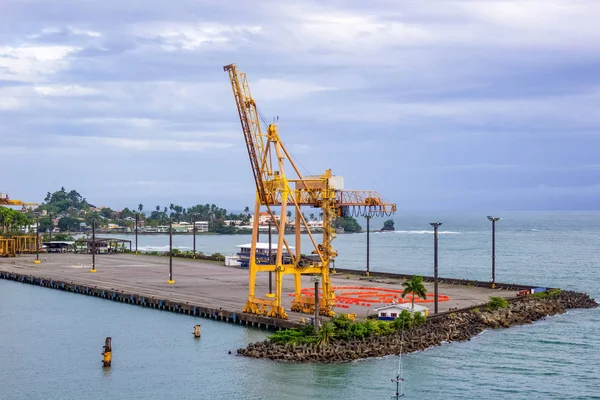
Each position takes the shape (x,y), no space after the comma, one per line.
(274,189)
(6,201)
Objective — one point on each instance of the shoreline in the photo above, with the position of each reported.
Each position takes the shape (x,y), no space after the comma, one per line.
(447,328)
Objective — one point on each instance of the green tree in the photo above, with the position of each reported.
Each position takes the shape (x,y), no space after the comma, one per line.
(326,334)
(140,207)
(348,224)
(45,224)
(126,213)
(66,224)
(415,287)
(106,212)
(11,220)
(91,217)
(388,225)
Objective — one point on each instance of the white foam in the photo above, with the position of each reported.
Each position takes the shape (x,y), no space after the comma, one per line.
(427,232)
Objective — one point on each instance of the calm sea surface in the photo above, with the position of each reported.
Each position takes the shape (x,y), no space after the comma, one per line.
(50,342)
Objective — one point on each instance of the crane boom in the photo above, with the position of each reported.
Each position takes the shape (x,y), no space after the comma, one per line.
(249,118)
(268,157)
(6,201)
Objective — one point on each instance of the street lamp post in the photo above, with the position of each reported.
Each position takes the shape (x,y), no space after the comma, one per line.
(170,252)
(316,324)
(37,240)
(137,220)
(493,219)
(270,260)
(194,233)
(93,246)
(368,217)
(51,225)
(435,264)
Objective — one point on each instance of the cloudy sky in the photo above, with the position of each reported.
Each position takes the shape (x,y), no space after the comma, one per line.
(473,104)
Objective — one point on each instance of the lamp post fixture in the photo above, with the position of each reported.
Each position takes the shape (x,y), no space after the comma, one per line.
(270,260)
(493,219)
(37,240)
(194,234)
(171,281)
(137,220)
(316,324)
(368,217)
(51,226)
(435,264)
(93,246)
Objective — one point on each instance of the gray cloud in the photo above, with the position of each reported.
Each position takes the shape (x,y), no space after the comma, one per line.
(397,96)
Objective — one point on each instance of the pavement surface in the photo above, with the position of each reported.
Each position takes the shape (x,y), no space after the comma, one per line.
(212,284)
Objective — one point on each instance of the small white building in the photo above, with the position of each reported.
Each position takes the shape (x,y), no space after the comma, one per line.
(201,226)
(392,311)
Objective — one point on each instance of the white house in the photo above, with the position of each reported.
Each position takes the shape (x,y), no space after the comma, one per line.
(392,311)
(201,226)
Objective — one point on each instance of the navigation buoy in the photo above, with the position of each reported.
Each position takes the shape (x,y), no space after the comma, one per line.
(197,331)
(107,353)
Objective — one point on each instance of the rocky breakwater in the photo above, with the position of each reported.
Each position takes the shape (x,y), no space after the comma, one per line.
(447,328)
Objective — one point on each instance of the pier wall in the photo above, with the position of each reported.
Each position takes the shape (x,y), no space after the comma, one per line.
(448,281)
(156,303)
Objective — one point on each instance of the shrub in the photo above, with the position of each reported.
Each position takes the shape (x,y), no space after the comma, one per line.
(218,257)
(298,336)
(496,303)
(476,311)
(404,321)
(546,295)
(418,319)
(358,330)
(384,327)
(341,322)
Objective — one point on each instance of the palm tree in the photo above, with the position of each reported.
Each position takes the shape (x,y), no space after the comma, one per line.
(326,334)
(247,210)
(416,288)
(312,216)
(140,207)
(157,208)
(289,215)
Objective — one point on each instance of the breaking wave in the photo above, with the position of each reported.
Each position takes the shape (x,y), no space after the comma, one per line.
(427,232)
(162,248)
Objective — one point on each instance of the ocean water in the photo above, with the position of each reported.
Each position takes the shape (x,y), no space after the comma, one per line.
(50,342)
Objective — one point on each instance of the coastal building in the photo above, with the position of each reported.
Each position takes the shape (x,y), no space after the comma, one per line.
(263,218)
(182,227)
(392,311)
(201,226)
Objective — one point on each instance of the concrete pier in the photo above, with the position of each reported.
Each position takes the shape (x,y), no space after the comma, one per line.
(206,289)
